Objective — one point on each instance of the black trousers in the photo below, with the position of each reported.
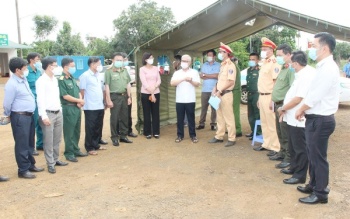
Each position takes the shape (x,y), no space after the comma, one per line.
(298,153)
(181,110)
(23,130)
(93,128)
(150,115)
(317,132)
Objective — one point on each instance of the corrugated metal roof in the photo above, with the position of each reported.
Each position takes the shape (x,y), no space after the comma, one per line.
(13,45)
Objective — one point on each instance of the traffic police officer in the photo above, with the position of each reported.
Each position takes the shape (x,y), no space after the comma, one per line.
(71,101)
(223,90)
(267,77)
(252,92)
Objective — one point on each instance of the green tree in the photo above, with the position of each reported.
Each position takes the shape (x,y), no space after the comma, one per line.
(44,25)
(342,51)
(99,47)
(43,47)
(240,52)
(68,44)
(139,23)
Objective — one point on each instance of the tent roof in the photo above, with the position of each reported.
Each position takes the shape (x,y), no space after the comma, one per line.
(225,21)
(13,45)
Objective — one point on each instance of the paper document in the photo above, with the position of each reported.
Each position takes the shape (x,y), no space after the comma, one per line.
(214,101)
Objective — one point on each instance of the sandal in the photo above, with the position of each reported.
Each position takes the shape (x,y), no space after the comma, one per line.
(102,148)
(194,139)
(178,139)
(92,152)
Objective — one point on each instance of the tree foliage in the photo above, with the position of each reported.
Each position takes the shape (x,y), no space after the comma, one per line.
(44,47)
(342,50)
(99,47)
(44,25)
(139,23)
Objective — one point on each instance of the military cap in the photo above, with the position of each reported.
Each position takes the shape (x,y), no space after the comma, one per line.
(265,42)
(225,47)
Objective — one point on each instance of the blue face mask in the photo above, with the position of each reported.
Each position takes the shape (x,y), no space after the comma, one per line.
(312,54)
(126,63)
(220,56)
(72,70)
(291,68)
(280,60)
(118,64)
(38,65)
(251,63)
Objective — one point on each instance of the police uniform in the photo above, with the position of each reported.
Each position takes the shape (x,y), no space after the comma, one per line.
(237,93)
(253,95)
(71,115)
(267,75)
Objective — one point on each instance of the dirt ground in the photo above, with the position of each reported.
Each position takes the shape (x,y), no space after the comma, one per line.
(162,179)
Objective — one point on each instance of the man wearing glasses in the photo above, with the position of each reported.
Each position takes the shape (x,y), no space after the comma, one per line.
(223,90)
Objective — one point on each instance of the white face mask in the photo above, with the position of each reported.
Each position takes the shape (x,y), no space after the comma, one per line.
(150,61)
(57,71)
(263,54)
(209,58)
(99,68)
(25,73)
(184,65)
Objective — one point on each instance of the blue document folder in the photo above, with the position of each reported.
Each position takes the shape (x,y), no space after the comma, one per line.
(214,101)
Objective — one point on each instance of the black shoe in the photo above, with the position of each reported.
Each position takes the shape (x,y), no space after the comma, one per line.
(287,171)
(156,136)
(276,157)
(115,142)
(214,140)
(103,142)
(271,153)
(4,178)
(35,153)
(39,148)
(61,163)
(230,143)
(36,169)
(26,175)
(125,140)
(81,154)
(307,189)
(239,135)
(72,159)
(249,135)
(282,165)
(213,127)
(200,127)
(313,199)
(250,138)
(149,136)
(51,169)
(133,135)
(260,148)
(293,181)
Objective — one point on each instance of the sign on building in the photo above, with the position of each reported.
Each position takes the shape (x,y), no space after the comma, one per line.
(4,39)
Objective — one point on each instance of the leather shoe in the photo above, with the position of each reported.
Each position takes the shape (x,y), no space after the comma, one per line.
(276,157)
(125,140)
(81,154)
(260,148)
(307,189)
(293,181)
(287,171)
(61,163)
(72,159)
(35,153)
(282,165)
(239,135)
(36,169)
(214,140)
(230,143)
(115,142)
(133,135)
(249,135)
(250,138)
(313,199)
(213,127)
(51,169)
(103,142)
(4,178)
(271,153)
(200,127)
(26,175)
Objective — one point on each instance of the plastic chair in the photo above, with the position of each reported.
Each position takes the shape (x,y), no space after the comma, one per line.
(257,138)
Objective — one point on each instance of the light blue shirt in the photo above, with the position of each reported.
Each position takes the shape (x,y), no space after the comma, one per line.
(93,94)
(18,96)
(208,84)
(346,69)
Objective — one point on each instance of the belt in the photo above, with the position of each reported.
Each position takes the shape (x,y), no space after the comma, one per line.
(23,113)
(119,93)
(225,92)
(54,112)
(70,104)
(264,93)
(313,116)
(279,102)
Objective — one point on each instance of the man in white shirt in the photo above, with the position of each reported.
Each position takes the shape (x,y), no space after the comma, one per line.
(319,107)
(50,112)
(186,80)
(294,98)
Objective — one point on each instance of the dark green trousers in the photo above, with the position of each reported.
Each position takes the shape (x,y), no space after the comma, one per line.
(236,110)
(282,133)
(119,114)
(71,129)
(253,111)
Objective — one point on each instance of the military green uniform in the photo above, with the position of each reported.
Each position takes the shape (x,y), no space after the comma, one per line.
(237,92)
(117,82)
(71,115)
(253,96)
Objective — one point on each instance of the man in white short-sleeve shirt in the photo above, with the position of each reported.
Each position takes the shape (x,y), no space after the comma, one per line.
(186,80)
